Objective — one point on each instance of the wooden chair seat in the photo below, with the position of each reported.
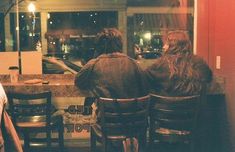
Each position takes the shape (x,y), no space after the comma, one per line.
(98,132)
(171,131)
(37,121)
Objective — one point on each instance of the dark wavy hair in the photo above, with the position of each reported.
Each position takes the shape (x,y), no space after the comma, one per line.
(179,43)
(179,58)
(109,40)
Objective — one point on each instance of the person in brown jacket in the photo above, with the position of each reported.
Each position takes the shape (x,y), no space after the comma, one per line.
(178,72)
(112,74)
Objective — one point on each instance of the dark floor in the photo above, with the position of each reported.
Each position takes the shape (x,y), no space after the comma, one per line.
(83,146)
(70,146)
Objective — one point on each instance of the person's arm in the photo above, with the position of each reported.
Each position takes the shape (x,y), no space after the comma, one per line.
(3,100)
(3,97)
(156,74)
(83,79)
(205,71)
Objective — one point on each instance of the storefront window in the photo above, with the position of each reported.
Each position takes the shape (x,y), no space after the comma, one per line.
(29,30)
(73,33)
(150,21)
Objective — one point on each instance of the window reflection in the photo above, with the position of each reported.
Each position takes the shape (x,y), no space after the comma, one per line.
(70,34)
(149,31)
(73,33)
(30,30)
(149,21)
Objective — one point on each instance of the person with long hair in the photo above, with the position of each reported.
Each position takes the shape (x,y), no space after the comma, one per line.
(178,71)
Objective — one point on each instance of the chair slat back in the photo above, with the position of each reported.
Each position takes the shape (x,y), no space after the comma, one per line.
(123,116)
(30,107)
(177,113)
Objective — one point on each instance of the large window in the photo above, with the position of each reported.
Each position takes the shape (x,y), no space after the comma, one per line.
(30,30)
(73,33)
(149,21)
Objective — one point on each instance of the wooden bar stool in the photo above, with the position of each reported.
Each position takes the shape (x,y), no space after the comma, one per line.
(32,113)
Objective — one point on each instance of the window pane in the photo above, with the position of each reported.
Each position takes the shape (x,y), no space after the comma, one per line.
(2,33)
(152,20)
(30,30)
(73,33)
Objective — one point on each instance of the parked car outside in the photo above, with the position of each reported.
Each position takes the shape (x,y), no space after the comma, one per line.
(54,65)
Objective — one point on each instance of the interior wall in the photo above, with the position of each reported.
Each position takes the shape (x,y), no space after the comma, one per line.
(215,37)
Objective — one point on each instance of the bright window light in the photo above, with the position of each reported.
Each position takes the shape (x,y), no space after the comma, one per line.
(147,36)
(31,7)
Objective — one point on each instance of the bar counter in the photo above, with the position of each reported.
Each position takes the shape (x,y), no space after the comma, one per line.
(61,85)
(70,101)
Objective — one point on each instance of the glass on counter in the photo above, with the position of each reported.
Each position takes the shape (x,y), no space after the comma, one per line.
(14,74)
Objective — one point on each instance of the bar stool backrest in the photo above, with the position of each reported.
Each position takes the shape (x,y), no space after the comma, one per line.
(33,107)
(123,116)
(174,119)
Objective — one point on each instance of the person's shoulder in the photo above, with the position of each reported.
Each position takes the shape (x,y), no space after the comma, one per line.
(197,59)
(92,61)
(123,56)
(161,60)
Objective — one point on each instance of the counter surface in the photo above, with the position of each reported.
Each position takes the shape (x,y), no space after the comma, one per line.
(62,85)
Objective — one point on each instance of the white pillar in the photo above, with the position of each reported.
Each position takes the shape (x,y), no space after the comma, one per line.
(8,36)
(43,32)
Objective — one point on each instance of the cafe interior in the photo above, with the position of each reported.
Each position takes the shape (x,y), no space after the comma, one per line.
(45,43)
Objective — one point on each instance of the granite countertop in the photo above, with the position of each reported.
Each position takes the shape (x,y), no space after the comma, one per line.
(61,85)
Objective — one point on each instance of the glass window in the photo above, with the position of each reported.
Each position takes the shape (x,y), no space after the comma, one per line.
(29,30)
(2,33)
(152,20)
(73,33)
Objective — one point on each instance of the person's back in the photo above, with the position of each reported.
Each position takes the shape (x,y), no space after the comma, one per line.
(112,74)
(178,72)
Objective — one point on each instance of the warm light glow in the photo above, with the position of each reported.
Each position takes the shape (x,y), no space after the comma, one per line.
(147,35)
(31,7)
(48,16)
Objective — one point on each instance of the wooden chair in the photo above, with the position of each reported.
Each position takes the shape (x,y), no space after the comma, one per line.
(119,119)
(174,119)
(32,113)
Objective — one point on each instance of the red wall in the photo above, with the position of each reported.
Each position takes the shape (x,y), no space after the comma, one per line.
(216,37)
